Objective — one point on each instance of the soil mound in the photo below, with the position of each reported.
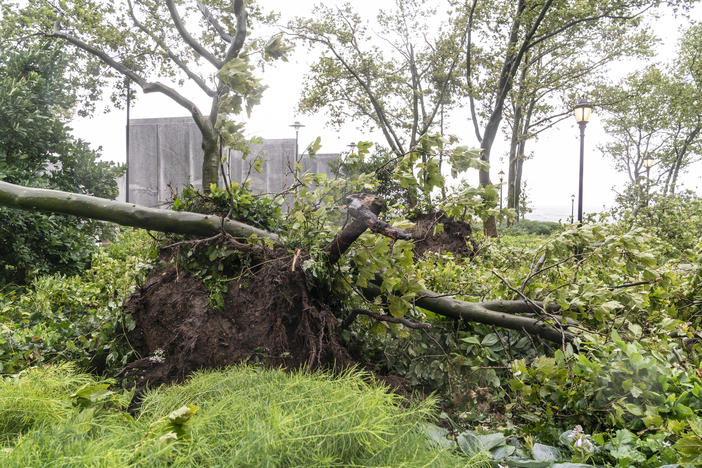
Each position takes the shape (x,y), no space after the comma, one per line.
(455,236)
(269,316)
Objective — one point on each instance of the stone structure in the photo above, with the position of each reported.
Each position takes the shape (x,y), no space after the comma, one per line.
(165,154)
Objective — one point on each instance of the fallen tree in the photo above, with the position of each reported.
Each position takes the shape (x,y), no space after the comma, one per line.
(125,214)
(272,309)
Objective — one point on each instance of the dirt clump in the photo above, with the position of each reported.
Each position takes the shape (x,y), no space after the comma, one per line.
(454,236)
(269,316)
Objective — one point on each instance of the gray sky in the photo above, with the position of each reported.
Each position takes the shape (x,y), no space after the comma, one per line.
(551,176)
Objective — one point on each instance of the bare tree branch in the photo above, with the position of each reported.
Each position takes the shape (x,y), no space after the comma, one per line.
(196,46)
(192,75)
(240,35)
(469,72)
(213,21)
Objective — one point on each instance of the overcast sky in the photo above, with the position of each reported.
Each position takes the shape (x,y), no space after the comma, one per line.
(551,176)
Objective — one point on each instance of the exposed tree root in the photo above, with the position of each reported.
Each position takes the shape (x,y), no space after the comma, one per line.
(269,316)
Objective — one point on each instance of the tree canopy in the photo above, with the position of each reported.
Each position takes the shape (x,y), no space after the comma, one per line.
(37,149)
(654,114)
(161,45)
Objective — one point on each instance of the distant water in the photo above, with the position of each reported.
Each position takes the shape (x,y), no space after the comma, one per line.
(558,213)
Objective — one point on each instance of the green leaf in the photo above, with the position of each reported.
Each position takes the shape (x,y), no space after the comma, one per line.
(546,452)
(469,443)
(471,340)
(490,441)
(490,340)
(503,451)
(90,394)
(437,435)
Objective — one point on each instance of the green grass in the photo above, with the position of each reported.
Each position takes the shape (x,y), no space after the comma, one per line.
(247,417)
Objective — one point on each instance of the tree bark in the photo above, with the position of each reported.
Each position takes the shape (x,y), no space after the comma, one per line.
(125,214)
(478,312)
(210,162)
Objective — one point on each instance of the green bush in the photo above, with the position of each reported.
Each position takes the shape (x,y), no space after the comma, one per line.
(38,150)
(531,227)
(675,219)
(636,397)
(76,318)
(243,416)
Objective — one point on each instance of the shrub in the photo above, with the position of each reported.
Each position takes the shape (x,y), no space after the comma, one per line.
(38,150)
(77,318)
(531,227)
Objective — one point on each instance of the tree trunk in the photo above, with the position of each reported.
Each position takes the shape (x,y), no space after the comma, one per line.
(513,157)
(125,214)
(210,162)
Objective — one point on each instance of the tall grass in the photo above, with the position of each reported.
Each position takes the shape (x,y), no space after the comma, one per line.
(247,417)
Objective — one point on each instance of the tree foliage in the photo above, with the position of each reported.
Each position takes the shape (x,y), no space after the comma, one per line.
(37,149)
(207,43)
(654,113)
(400,85)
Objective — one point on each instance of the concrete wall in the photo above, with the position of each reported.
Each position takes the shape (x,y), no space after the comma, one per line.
(166,154)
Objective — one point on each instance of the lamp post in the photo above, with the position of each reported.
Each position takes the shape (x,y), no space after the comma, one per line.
(501,175)
(572,208)
(297,126)
(582,111)
(648,163)
(126,173)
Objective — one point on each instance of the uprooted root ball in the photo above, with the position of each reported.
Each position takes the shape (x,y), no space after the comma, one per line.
(269,315)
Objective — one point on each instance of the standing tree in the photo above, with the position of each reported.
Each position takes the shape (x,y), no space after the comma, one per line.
(401,85)
(655,114)
(502,35)
(147,41)
(550,74)
(37,149)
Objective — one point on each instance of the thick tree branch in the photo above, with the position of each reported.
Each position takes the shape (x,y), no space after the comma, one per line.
(476,312)
(364,208)
(146,86)
(359,210)
(192,75)
(125,214)
(196,46)
(240,35)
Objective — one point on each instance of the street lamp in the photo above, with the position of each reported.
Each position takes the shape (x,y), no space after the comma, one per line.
(126,173)
(297,126)
(501,175)
(648,163)
(572,207)
(582,111)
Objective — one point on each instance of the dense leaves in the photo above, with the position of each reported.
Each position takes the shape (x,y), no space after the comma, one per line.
(37,149)
(77,318)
